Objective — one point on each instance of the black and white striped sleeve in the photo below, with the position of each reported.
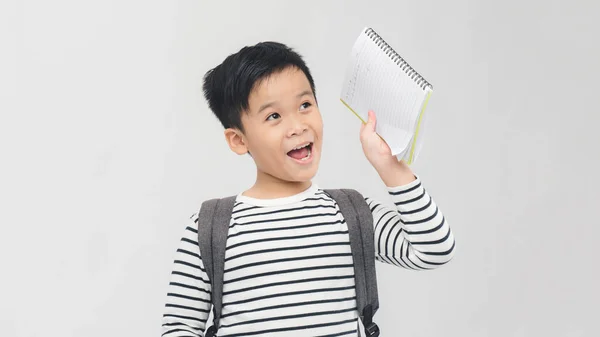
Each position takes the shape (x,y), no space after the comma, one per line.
(415,235)
(188,296)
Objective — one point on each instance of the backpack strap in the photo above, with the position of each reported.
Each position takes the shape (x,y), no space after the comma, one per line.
(213,227)
(359,219)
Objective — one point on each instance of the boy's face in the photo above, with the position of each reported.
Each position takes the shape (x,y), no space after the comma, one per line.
(283,127)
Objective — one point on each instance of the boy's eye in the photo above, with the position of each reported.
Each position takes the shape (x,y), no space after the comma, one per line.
(305,105)
(274,115)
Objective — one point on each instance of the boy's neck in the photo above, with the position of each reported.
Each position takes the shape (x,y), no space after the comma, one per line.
(269,187)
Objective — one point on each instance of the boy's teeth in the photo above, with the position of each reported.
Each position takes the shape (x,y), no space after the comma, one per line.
(299,147)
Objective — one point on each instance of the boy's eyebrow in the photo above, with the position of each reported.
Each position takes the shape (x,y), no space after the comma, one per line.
(265,106)
(305,93)
(270,104)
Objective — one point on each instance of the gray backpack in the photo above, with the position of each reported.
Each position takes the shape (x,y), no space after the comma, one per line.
(213,227)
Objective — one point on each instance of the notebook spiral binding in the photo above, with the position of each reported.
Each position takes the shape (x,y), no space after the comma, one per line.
(414,75)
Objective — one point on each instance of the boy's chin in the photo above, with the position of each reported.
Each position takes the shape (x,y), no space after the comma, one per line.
(301,175)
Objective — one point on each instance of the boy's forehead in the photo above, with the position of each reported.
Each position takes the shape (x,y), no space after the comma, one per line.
(283,84)
(287,79)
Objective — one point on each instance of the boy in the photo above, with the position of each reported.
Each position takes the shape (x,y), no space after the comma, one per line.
(288,265)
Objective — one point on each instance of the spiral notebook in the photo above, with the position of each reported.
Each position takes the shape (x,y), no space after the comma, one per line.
(379,79)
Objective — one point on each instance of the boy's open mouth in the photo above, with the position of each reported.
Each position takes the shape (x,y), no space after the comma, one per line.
(302,152)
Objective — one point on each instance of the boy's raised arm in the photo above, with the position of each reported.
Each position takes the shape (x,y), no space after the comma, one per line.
(414,234)
(188,298)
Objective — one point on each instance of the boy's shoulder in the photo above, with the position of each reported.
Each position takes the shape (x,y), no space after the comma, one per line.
(196,213)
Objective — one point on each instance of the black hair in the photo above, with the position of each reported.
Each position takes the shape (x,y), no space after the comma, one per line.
(227,87)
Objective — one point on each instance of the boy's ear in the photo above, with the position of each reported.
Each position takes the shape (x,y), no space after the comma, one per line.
(235,139)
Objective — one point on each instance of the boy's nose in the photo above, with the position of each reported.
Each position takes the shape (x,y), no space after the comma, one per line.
(297,127)
(297,130)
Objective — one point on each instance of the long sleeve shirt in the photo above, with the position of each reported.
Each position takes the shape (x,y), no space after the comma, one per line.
(289,268)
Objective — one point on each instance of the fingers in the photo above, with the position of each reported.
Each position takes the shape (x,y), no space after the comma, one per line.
(372,123)
(368,129)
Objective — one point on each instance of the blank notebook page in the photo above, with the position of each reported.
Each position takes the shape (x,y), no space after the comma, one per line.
(378,79)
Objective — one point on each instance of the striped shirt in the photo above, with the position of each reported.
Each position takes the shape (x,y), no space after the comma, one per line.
(288,264)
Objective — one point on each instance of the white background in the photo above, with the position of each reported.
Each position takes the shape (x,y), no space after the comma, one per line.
(107,147)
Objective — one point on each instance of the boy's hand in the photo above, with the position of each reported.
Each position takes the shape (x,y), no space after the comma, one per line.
(376,150)
(378,153)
